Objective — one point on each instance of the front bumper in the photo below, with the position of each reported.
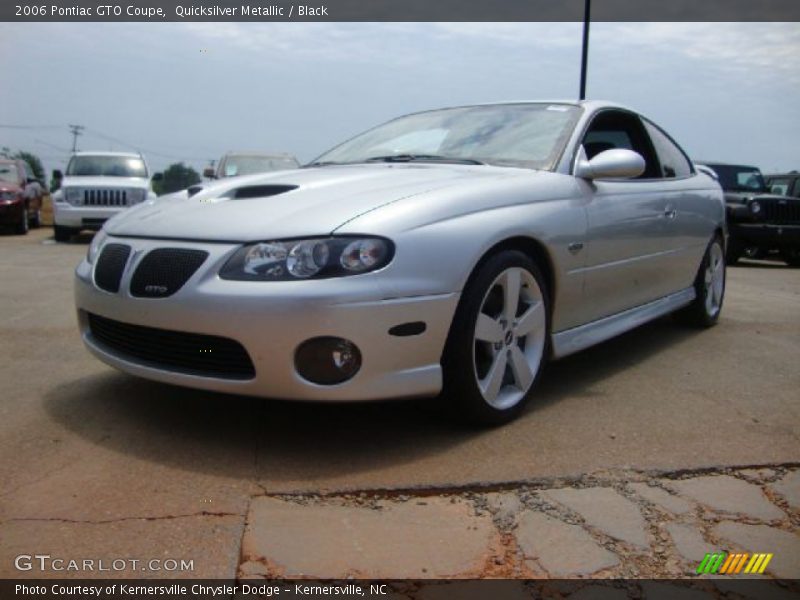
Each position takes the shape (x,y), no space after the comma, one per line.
(765,234)
(83,217)
(11,212)
(271,319)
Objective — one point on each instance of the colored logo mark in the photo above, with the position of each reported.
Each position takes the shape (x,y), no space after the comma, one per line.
(730,564)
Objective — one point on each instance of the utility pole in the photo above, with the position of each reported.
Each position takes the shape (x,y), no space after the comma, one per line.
(585,55)
(76,131)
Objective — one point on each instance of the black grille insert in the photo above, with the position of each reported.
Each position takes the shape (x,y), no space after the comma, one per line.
(780,211)
(192,353)
(163,272)
(110,265)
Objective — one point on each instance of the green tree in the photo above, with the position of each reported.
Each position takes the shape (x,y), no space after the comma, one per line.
(176,177)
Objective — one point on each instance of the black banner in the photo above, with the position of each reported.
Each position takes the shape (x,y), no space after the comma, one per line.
(398,10)
(496,589)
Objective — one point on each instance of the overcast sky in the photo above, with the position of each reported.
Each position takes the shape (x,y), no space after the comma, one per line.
(192,91)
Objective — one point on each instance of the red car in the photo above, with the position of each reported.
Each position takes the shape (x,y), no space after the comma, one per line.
(20,196)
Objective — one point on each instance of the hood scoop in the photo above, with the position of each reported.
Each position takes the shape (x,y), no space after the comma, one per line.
(259,191)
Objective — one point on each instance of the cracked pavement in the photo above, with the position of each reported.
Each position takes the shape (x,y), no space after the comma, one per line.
(636,456)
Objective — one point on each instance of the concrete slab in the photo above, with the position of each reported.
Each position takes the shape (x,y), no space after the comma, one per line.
(661,498)
(394,540)
(728,494)
(688,541)
(789,488)
(563,550)
(785,545)
(607,510)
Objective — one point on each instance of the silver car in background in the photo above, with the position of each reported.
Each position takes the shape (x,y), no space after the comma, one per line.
(446,252)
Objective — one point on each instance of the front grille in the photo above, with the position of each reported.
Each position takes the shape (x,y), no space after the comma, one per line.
(782,212)
(110,265)
(105,197)
(191,353)
(163,271)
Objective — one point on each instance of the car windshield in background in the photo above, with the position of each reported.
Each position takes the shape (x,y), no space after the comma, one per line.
(108,166)
(8,172)
(518,135)
(250,165)
(740,179)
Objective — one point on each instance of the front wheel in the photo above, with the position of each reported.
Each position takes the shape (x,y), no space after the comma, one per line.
(23,226)
(498,340)
(709,286)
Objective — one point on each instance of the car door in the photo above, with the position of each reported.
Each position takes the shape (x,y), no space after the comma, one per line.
(628,221)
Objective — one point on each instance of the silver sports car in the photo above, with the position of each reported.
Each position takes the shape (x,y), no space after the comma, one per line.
(446,252)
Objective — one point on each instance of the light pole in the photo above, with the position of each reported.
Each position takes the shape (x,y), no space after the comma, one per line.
(585,54)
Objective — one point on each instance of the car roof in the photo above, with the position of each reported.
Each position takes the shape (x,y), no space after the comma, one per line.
(716,163)
(590,105)
(107,153)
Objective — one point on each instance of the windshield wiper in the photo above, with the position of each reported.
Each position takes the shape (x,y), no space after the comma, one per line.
(423,158)
(322,163)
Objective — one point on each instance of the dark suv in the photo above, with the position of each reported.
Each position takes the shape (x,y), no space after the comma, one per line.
(784,184)
(758,221)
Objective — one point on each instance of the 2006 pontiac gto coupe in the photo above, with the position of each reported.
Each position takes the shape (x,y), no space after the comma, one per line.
(450,251)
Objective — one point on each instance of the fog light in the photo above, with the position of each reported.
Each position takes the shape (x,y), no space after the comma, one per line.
(327,360)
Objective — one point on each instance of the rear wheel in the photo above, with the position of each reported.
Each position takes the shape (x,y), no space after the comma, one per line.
(734,252)
(709,286)
(791,256)
(497,341)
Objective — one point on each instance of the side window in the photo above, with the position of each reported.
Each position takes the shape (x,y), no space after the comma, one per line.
(613,129)
(673,161)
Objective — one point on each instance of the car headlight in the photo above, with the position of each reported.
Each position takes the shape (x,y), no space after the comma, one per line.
(72,195)
(95,245)
(317,258)
(755,207)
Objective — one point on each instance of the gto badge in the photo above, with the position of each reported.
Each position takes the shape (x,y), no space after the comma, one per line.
(155,289)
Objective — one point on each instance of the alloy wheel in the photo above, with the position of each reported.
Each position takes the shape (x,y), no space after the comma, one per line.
(509,338)
(714,279)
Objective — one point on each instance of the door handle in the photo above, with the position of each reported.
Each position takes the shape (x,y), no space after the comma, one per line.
(670,213)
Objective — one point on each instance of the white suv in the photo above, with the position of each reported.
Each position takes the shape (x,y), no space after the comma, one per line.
(95,187)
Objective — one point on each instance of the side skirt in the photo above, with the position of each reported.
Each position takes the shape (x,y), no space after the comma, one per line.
(576,339)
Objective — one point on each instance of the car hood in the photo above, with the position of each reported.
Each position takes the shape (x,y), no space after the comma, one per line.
(302,202)
(7,186)
(108,182)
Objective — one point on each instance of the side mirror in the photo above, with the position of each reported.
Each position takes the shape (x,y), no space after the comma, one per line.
(57,174)
(158,176)
(610,164)
(208,173)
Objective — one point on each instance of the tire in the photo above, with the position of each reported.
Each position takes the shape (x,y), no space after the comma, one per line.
(36,222)
(734,251)
(709,285)
(23,226)
(62,234)
(498,341)
(791,257)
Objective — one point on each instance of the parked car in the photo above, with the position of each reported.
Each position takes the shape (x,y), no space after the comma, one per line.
(97,186)
(784,184)
(20,196)
(448,251)
(234,164)
(758,221)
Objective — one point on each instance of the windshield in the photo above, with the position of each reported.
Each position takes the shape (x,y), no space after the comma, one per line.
(519,135)
(8,172)
(108,166)
(250,165)
(740,179)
